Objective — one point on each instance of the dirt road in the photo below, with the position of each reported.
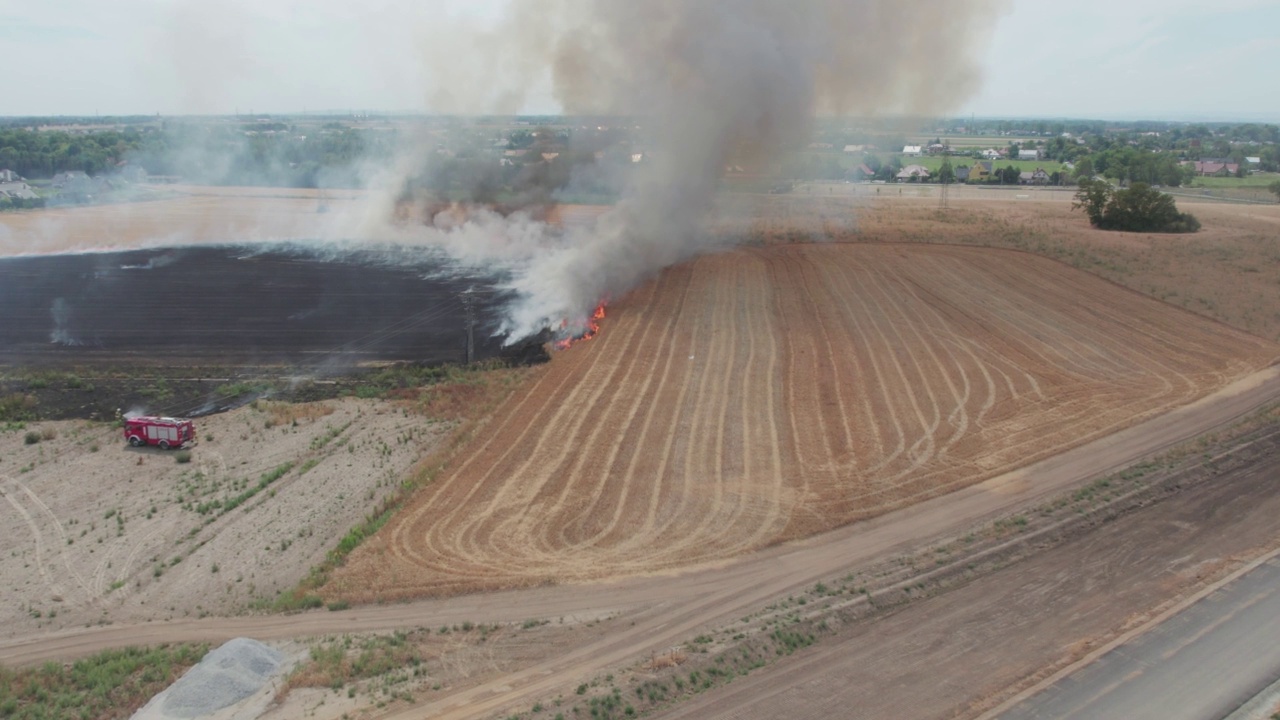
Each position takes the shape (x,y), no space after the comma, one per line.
(666,609)
(955,654)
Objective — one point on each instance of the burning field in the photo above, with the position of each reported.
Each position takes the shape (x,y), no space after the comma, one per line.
(267,303)
(761,395)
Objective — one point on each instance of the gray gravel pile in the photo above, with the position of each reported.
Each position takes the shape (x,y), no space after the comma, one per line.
(223,678)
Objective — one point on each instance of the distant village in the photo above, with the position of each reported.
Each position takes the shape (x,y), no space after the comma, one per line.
(132,158)
(74,187)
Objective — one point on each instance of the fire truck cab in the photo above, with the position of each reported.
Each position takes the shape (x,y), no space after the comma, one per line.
(164,432)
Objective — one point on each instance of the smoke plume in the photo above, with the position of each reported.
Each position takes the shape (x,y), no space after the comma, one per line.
(708,82)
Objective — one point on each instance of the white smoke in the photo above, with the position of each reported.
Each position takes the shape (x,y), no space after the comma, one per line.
(709,82)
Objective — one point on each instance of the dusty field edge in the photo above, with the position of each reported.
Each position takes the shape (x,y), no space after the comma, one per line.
(852,239)
(1125,637)
(790,624)
(306,595)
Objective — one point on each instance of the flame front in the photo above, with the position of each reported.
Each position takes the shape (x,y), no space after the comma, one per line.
(580,330)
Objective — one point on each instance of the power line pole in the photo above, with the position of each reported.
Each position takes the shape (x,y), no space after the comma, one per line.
(471,323)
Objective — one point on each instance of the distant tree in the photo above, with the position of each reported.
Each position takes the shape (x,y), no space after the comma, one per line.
(946,174)
(1139,208)
(1093,197)
(1010,175)
(1275,188)
(1084,169)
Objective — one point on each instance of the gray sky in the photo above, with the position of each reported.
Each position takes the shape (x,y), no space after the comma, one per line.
(1125,59)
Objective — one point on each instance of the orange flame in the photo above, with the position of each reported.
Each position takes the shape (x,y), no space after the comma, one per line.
(584,329)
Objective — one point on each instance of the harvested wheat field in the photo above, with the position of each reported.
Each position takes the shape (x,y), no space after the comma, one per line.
(771,393)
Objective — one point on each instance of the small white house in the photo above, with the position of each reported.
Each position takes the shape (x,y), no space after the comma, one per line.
(991,154)
(912,150)
(1029,154)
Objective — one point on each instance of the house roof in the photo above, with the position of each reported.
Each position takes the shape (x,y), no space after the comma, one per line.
(1213,168)
(910,149)
(914,171)
(18,190)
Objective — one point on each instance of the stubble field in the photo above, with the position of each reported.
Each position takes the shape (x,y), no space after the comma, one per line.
(767,394)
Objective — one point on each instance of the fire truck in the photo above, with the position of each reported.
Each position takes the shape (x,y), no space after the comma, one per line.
(164,432)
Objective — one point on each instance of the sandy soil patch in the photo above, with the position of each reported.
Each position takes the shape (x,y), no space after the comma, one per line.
(100,532)
(196,216)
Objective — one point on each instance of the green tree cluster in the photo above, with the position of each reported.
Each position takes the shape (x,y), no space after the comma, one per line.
(1138,208)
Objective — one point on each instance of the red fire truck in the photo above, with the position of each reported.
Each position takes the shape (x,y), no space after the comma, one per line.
(164,432)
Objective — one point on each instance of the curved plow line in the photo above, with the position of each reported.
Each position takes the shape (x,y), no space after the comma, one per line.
(665,340)
(1018,321)
(811,271)
(647,529)
(713,531)
(1014,318)
(796,388)
(882,384)
(686,537)
(396,545)
(133,554)
(767,528)
(952,343)
(90,596)
(417,554)
(628,478)
(961,398)
(924,448)
(809,309)
(616,555)
(1136,361)
(36,535)
(720,353)
(761,324)
(813,277)
(915,456)
(517,489)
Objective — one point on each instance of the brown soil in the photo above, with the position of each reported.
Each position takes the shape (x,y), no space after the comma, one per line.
(197,215)
(961,652)
(1229,271)
(762,395)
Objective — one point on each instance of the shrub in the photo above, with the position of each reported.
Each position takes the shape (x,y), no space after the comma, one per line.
(17,406)
(1136,209)
(182,457)
(48,434)
(31,438)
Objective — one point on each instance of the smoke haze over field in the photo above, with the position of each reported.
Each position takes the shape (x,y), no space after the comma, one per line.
(709,82)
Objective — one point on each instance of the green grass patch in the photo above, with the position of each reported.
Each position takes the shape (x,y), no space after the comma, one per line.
(1261,180)
(111,684)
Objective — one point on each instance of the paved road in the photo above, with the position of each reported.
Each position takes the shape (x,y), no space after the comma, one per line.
(1204,662)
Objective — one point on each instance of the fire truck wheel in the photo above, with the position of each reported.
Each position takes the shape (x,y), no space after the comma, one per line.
(164,444)
(135,441)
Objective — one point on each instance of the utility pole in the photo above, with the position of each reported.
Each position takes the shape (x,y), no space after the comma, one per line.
(471,322)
